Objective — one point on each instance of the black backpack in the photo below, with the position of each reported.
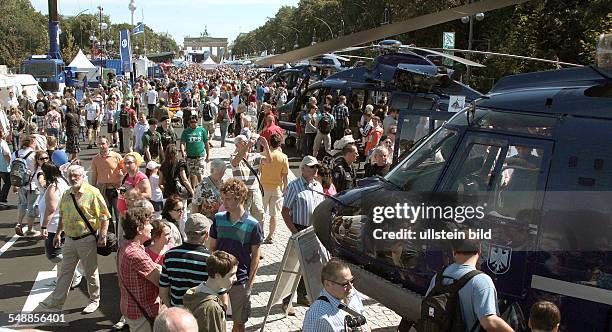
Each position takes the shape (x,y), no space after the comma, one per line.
(325,124)
(125,119)
(207,112)
(441,308)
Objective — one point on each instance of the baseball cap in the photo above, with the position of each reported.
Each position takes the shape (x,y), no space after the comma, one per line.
(153,165)
(309,161)
(197,223)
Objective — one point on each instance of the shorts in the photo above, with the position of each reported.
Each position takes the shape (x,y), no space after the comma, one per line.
(53,254)
(72,143)
(273,202)
(27,200)
(197,166)
(92,124)
(241,303)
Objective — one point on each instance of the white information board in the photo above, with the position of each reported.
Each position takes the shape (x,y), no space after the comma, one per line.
(304,258)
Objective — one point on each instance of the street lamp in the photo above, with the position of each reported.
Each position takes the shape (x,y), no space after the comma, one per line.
(470,20)
(296,36)
(330,29)
(386,17)
(132,8)
(314,38)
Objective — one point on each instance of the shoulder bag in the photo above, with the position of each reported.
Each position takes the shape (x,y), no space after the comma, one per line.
(111,239)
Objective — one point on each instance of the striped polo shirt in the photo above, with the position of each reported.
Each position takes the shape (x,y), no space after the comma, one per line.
(237,239)
(244,174)
(302,198)
(184,267)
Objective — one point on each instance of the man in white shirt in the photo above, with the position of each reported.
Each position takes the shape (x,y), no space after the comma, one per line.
(152,98)
(11,101)
(92,112)
(27,194)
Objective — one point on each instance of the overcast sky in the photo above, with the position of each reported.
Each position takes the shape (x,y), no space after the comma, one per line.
(180,18)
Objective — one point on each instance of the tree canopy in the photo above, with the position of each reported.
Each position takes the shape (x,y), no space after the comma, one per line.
(564,30)
(24,32)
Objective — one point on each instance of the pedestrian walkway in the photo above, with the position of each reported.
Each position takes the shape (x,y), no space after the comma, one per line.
(379,317)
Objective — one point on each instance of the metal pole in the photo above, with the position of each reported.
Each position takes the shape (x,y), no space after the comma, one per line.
(470,36)
(144,34)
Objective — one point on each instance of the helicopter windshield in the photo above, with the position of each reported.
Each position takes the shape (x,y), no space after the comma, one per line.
(420,171)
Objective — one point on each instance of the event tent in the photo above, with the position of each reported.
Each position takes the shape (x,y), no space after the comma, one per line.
(209,64)
(81,64)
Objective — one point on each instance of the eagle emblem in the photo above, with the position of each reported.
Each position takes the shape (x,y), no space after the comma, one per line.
(499,258)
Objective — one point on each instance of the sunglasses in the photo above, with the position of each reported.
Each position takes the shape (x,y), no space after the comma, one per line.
(43,158)
(345,284)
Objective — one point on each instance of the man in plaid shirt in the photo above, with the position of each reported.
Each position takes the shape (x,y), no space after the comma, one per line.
(341,115)
(138,274)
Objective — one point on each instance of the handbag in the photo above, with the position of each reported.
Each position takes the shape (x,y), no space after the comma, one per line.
(181,190)
(111,239)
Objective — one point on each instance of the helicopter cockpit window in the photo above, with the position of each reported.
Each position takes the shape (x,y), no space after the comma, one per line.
(517,184)
(421,170)
(400,101)
(520,123)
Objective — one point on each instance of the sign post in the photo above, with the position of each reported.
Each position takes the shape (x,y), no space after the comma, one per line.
(448,42)
(303,258)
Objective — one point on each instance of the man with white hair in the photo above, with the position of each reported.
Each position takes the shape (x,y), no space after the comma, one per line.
(245,167)
(81,244)
(175,320)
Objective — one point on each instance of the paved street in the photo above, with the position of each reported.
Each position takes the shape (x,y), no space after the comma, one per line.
(25,276)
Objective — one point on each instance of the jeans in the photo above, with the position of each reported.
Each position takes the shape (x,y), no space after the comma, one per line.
(128,140)
(53,132)
(6,186)
(223,127)
(308,143)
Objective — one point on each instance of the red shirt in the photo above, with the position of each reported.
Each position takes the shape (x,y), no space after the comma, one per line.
(271,130)
(133,265)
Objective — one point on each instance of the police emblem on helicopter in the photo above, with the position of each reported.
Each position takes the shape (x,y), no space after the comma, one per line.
(499,258)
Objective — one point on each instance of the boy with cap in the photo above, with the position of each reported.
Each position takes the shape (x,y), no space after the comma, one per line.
(184,266)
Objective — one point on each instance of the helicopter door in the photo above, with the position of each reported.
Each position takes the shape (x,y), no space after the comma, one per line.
(418,120)
(506,177)
(300,97)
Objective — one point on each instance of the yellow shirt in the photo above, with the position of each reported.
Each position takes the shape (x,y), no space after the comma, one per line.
(91,203)
(272,171)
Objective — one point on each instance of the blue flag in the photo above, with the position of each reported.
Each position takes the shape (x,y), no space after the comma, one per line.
(140,28)
(125,51)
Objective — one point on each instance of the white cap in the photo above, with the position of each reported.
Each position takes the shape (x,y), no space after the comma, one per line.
(153,165)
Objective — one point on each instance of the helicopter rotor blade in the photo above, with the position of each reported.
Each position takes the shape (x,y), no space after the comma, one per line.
(511,56)
(357,57)
(385,31)
(448,56)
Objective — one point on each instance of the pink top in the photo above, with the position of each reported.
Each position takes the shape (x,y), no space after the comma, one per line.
(155,257)
(331,190)
(129,183)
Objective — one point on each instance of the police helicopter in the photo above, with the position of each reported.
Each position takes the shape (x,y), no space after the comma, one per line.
(530,156)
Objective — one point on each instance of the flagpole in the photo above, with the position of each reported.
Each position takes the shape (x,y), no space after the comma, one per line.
(144,35)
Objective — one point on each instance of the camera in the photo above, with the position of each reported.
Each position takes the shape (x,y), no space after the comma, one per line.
(354,321)
(122,190)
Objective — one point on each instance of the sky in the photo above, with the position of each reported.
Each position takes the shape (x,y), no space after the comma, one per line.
(180,18)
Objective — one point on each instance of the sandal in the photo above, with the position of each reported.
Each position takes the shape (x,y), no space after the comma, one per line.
(268,241)
(18,230)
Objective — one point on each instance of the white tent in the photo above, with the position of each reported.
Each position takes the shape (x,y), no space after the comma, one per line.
(209,64)
(82,64)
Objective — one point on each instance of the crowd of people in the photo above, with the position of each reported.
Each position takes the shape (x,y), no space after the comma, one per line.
(189,235)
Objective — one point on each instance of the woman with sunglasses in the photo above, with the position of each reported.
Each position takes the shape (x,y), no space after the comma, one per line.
(172,214)
(41,157)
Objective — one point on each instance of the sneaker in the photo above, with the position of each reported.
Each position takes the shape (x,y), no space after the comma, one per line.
(32,233)
(268,241)
(120,324)
(18,230)
(44,307)
(93,306)
(288,309)
(89,147)
(76,282)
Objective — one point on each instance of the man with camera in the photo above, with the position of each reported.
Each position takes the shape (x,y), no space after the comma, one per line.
(339,307)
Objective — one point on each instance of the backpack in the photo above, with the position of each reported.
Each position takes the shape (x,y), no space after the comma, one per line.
(221,114)
(441,308)
(325,124)
(20,173)
(125,119)
(207,112)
